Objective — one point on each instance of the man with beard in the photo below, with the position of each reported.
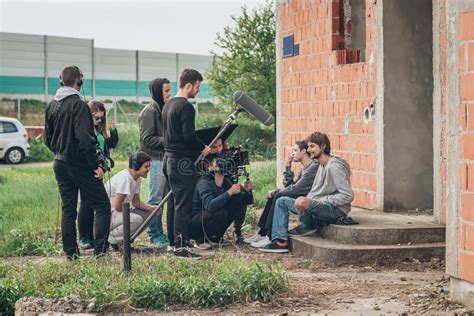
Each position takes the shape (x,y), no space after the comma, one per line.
(152,143)
(293,188)
(182,148)
(329,199)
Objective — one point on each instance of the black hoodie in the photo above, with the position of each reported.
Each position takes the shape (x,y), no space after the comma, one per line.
(149,120)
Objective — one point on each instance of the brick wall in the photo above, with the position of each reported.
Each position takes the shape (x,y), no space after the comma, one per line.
(322,91)
(466,124)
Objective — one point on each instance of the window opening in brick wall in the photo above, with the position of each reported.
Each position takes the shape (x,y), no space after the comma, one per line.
(349,37)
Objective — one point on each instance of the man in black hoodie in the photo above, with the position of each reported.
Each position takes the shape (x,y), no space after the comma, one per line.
(151,140)
(182,148)
(69,134)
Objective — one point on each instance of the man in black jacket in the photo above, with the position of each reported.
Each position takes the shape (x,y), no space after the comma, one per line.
(216,204)
(182,148)
(69,134)
(151,140)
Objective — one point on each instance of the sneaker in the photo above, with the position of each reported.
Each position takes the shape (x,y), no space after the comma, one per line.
(261,243)
(204,246)
(159,241)
(85,243)
(299,231)
(255,238)
(170,248)
(276,247)
(186,253)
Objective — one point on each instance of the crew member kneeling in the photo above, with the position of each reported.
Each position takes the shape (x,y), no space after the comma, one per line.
(217,203)
(125,187)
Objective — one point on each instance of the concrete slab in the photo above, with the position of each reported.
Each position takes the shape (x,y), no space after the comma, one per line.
(329,251)
(377,228)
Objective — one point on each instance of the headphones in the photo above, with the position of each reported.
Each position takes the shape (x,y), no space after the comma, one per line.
(80,82)
(135,165)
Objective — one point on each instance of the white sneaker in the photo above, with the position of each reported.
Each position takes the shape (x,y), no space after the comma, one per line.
(254,238)
(261,243)
(170,248)
(204,246)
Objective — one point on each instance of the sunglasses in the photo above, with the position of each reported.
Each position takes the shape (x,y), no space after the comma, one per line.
(99,118)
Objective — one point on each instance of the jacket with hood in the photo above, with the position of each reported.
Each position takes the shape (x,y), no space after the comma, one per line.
(332,184)
(69,131)
(150,122)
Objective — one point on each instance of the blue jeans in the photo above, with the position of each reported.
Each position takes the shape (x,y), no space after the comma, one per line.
(317,214)
(157,189)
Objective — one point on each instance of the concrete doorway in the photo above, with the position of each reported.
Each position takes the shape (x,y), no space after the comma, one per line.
(408,104)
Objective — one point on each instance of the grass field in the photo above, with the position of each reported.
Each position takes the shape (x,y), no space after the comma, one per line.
(154,282)
(29,207)
(29,225)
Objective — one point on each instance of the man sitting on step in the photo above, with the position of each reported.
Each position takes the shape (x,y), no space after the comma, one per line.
(329,199)
(294,187)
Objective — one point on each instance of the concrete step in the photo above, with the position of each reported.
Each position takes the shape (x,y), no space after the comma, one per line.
(333,252)
(377,228)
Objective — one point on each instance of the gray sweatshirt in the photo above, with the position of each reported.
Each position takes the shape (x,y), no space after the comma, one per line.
(332,184)
(302,185)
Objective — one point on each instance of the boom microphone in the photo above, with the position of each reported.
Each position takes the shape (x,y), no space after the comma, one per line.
(251,107)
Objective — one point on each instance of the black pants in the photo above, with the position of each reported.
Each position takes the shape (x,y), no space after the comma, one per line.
(266,219)
(182,178)
(85,222)
(70,180)
(216,224)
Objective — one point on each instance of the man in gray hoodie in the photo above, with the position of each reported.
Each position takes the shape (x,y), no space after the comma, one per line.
(329,199)
(152,143)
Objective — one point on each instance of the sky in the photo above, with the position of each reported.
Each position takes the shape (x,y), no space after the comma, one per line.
(178,26)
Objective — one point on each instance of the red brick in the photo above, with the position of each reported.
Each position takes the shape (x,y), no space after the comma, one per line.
(464,179)
(470,177)
(466,262)
(470,59)
(467,87)
(467,26)
(467,206)
(469,116)
(469,238)
(468,146)
(462,236)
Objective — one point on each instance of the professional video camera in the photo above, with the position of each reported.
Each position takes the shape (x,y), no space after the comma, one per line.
(105,163)
(232,162)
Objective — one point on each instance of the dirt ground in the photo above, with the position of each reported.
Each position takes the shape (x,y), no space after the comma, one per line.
(411,287)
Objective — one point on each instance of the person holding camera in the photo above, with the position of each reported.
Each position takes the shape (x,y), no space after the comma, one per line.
(293,188)
(107,137)
(69,134)
(217,203)
(182,147)
(151,140)
(124,187)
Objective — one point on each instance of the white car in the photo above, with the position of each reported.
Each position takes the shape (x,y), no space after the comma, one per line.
(14,147)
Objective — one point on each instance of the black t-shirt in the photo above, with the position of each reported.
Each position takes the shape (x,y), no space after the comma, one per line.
(179,130)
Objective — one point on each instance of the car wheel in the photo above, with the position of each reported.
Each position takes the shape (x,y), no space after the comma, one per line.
(14,155)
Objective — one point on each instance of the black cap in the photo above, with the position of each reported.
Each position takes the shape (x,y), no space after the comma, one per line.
(207,135)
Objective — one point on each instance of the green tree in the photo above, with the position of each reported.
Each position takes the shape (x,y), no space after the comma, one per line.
(248,60)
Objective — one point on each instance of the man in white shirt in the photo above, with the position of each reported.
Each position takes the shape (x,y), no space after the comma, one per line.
(125,187)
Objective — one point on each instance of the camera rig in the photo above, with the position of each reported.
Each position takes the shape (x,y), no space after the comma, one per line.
(231,162)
